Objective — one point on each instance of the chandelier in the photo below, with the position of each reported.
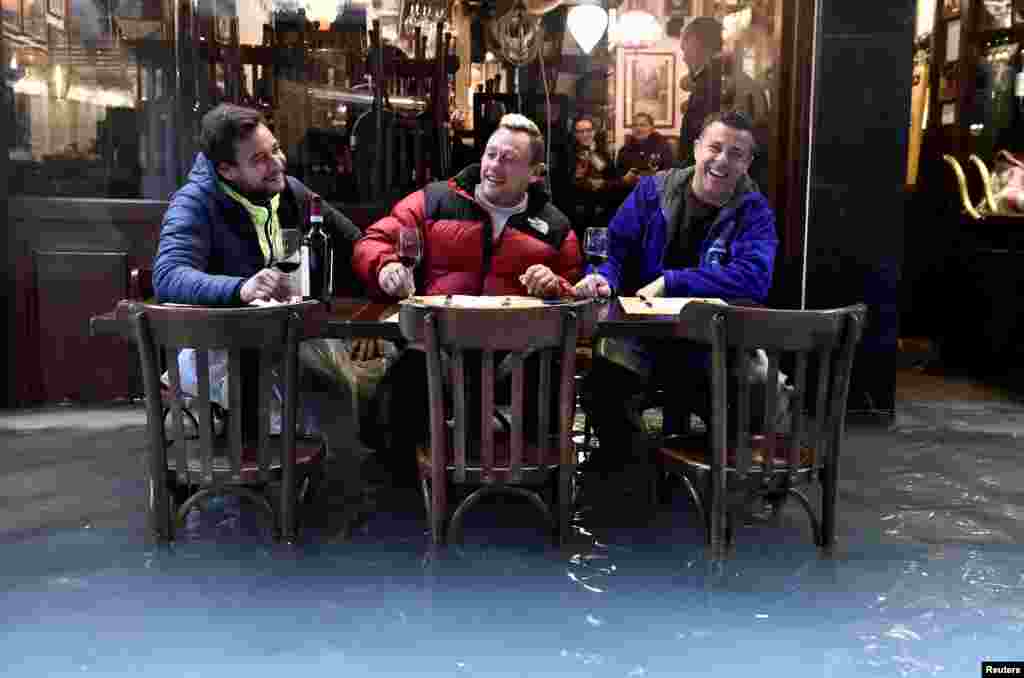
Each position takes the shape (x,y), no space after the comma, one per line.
(634,29)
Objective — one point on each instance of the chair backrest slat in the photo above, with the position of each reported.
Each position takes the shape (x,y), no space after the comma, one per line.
(178,419)
(796,409)
(737,359)
(265,385)
(487,415)
(234,422)
(544,399)
(435,397)
(205,415)
(841,384)
(820,424)
(518,411)
(461,417)
(289,408)
(567,391)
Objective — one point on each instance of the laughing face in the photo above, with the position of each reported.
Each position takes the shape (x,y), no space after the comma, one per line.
(258,169)
(723,156)
(505,169)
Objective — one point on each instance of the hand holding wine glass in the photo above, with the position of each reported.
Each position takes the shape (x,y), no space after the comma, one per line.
(410,251)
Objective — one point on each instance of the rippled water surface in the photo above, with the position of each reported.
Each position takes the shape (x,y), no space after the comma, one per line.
(90,601)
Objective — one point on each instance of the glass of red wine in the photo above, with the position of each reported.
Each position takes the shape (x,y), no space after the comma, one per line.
(291,259)
(410,248)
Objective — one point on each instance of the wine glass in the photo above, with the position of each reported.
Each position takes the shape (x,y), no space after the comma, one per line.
(595,245)
(290,259)
(410,248)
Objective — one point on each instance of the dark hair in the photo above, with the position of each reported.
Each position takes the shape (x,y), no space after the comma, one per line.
(707,30)
(584,117)
(735,119)
(222,129)
(642,114)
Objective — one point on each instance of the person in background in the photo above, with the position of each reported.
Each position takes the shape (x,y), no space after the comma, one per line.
(220,233)
(590,180)
(701,44)
(490,230)
(702,231)
(646,151)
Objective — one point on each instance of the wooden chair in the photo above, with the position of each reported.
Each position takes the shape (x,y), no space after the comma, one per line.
(729,465)
(246,463)
(495,461)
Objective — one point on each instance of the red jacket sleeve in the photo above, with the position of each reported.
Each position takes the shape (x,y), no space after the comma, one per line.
(569,263)
(378,246)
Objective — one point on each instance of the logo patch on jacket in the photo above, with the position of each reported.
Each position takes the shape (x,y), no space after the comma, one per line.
(538,225)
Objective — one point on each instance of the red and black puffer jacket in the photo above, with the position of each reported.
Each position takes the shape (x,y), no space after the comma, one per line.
(460,255)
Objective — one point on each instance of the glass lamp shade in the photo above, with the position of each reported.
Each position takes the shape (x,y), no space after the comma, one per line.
(587,24)
(636,29)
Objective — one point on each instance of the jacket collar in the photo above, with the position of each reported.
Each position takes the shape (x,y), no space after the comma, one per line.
(465,183)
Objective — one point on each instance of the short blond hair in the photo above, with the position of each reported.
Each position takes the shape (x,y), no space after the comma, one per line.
(514,122)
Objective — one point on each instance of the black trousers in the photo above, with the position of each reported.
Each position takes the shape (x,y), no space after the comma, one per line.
(613,396)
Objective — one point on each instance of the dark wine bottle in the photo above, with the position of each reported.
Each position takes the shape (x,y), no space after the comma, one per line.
(317,267)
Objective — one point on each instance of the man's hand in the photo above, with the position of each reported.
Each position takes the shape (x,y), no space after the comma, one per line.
(396,280)
(540,281)
(366,349)
(631,177)
(266,285)
(593,285)
(653,289)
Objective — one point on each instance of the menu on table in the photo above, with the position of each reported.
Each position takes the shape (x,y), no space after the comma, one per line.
(662,305)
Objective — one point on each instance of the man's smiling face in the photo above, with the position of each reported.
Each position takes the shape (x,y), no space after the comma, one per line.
(505,168)
(258,169)
(723,156)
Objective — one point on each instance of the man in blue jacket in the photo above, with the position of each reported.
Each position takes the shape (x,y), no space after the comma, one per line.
(702,231)
(223,227)
(220,235)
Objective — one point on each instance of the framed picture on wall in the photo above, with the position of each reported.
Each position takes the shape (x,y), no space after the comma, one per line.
(949,113)
(953,40)
(651,86)
(12,14)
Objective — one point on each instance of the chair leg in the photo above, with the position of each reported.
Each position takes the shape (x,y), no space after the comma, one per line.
(436,515)
(830,480)
(565,500)
(159,510)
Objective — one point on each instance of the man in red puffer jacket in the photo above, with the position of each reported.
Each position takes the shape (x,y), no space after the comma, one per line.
(490,230)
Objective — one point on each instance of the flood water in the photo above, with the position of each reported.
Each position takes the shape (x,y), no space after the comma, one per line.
(927,579)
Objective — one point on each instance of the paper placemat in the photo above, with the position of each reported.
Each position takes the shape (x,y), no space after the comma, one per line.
(469,301)
(662,305)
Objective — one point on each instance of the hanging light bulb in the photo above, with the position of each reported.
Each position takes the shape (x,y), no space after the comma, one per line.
(587,23)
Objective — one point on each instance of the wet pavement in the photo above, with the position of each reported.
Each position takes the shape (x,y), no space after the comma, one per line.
(927,579)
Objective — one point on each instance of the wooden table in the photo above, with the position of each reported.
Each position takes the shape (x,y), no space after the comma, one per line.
(343,318)
(349,318)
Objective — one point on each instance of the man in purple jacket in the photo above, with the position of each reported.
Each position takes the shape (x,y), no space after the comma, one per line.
(702,231)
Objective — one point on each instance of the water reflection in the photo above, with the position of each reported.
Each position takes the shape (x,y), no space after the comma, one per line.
(117,607)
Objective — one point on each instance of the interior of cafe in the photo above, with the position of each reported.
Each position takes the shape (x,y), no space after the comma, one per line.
(369,100)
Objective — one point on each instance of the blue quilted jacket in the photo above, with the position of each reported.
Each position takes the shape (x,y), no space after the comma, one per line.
(209,247)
